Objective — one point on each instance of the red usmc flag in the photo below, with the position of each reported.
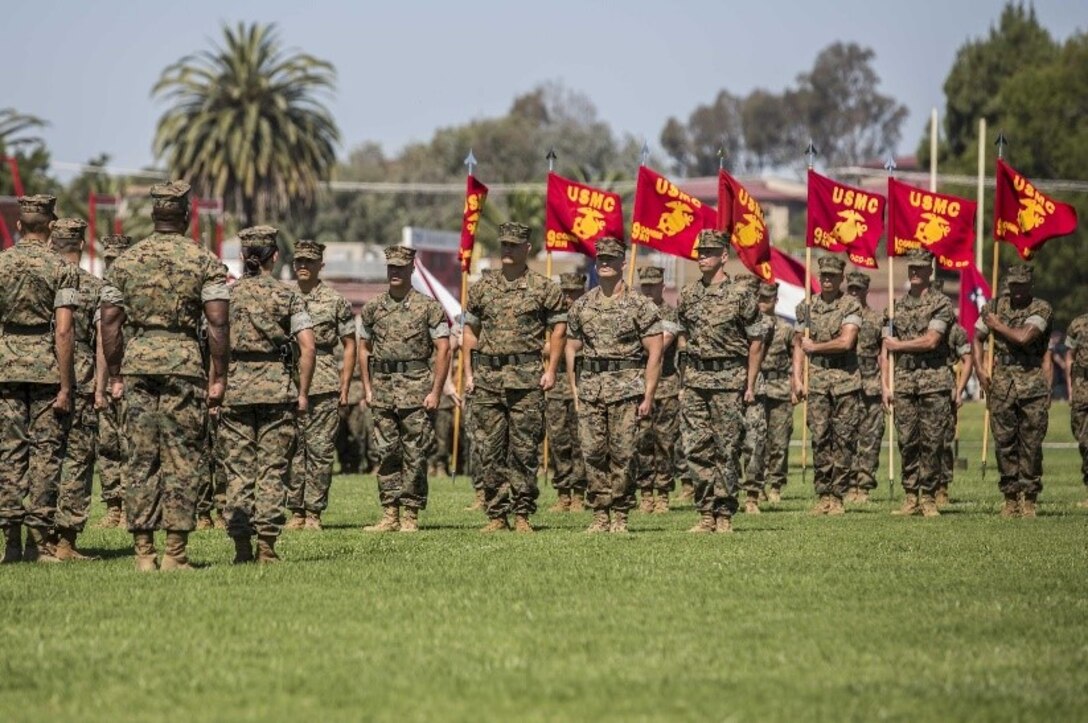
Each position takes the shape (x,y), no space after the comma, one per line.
(475,195)
(943,225)
(577,215)
(844,219)
(666,218)
(740,216)
(1024,216)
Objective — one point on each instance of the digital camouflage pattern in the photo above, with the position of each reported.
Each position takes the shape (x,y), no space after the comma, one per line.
(404,437)
(30,455)
(564,447)
(611,328)
(717,322)
(77,471)
(660,433)
(1019,398)
(668,386)
(1076,338)
(256,443)
(958,347)
(162,283)
(773,401)
(213,488)
(110,456)
(834,393)
(754,449)
(332,320)
(85,331)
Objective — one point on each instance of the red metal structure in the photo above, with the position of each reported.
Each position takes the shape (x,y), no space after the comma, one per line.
(17,183)
(208,207)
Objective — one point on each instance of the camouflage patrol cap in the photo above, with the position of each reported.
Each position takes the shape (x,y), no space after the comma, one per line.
(651,275)
(1020,274)
(831,265)
(513,232)
(38,205)
(69,229)
(114,245)
(768,291)
(711,239)
(573,281)
(170,194)
(919,258)
(258,236)
(307,249)
(609,246)
(399,256)
(857,280)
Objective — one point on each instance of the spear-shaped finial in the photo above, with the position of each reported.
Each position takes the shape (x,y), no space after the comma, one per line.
(551,159)
(811,153)
(470,161)
(721,155)
(1001,142)
(644,153)
(889,165)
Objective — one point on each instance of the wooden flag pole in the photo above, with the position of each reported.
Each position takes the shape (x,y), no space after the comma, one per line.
(995,294)
(459,382)
(811,153)
(890,243)
(551,156)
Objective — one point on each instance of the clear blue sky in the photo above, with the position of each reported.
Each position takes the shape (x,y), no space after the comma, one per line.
(406,68)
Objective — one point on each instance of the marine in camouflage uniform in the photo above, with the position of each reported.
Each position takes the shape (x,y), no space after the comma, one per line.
(151,313)
(658,440)
(506,318)
(110,448)
(870,363)
(564,446)
(212,497)
(39,295)
(257,425)
(827,334)
(619,334)
(1018,392)
(77,473)
(1076,339)
(401,331)
(923,384)
(774,400)
(350,440)
(721,336)
(755,418)
(334,326)
(961,364)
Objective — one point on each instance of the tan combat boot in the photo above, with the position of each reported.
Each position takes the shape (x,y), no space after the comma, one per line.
(705,524)
(174,554)
(834,506)
(723,525)
(851,492)
(929,506)
(409,520)
(1027,507)
(297,521)
(562,504)
(646,503)
(687,492)
(39,548)
(266,550)
(390,521)
(478,502)
(521,524)
(601,522)
(578,501)
(661,503)
(496,524)
(66,547)
(751,504)
(774,495)
(942,499)
(13,544)
(112,517)
(909,507)
(220,521)
(821,507)
(243,550)
(619,522)
(1011,507)
(144,543)
(204,521)
(861,497)
(313,521)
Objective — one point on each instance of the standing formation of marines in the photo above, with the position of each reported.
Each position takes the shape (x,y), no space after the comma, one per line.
(163,371)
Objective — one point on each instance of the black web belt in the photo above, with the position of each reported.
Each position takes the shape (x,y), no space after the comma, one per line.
(399,367)
(498,361)
(601,364)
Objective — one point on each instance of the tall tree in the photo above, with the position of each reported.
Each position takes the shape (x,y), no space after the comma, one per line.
(19,140)
(246,122)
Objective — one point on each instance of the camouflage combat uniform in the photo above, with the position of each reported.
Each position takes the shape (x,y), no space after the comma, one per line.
(923,387)
(755,427)
(507,402)
(611,384)
(77,475)
(958,347)
(561,417)
(34,282)
(1076,338)
(657,446)
(401,336)
(872,403)
(774,400)
(719,322)
(834,391)
(161,283)
(311,467)
(257,425)
(351,442)
(1019,398)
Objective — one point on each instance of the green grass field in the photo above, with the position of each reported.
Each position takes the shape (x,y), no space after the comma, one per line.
(867,616)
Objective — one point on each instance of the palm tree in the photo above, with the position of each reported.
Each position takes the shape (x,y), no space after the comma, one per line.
(17,141)
(13,127)
(245,123)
